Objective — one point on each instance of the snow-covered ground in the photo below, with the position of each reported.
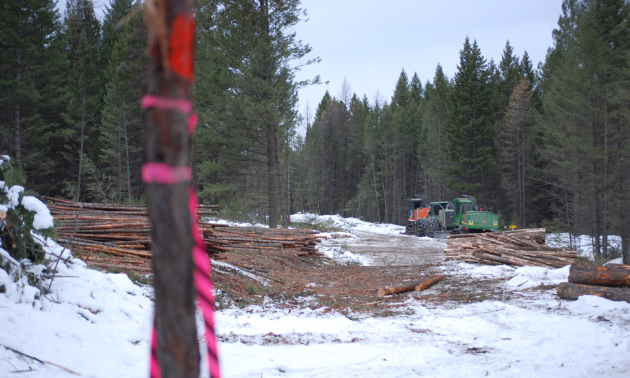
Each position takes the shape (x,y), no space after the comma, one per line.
(348,224)
(98,325)
(582,243)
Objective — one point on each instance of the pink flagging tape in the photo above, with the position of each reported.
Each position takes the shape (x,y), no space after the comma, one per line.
(192,123)
(161,173)
(205,296)
(203,284)
(155,366)
(166,103)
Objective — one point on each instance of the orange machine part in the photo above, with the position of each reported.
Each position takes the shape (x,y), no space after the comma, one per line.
(419,214)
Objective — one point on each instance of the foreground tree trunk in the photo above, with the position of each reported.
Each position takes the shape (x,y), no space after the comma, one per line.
(167,142)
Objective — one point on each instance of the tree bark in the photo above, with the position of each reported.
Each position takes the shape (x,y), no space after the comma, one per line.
(167,141)
(572,291)
(18,154)
(81,150)
(283,194)
(272,180)
(127,150)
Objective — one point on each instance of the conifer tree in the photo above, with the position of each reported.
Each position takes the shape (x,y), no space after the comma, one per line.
(517,138)
(469,130)
(80,116)
(509,75)
(82,31)
(114,13)
(120,131)
(253,48)
(32,85)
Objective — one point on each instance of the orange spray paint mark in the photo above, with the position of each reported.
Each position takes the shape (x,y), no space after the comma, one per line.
(181,46)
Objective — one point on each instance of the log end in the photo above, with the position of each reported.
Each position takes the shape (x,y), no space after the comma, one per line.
(380,292)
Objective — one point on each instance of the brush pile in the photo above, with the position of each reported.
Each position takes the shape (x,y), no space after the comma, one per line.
(119,236)
(610,282)
(515,248)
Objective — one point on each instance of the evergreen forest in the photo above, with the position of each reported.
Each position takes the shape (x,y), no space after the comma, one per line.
(545,145)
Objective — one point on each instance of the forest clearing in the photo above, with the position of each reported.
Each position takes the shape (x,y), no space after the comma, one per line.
(183,195)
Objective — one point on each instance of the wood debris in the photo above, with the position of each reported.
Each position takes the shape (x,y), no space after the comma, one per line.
(123,234)
(515,248)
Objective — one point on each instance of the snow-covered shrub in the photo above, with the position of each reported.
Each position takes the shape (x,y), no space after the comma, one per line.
(22,218)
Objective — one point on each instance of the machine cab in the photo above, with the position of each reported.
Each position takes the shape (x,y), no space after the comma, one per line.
(417,208)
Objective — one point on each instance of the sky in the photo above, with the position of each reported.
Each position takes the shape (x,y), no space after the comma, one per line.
(369,42)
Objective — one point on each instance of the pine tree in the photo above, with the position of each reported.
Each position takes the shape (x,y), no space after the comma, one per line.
(584,134)
(253,46)
(517,138)
(80,116)
(32,85)
(114,13)
(509,76)
(120,131)
(82,31)
(470,131)
(435,118)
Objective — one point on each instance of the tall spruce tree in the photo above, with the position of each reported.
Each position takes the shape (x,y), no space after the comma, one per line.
(470,127)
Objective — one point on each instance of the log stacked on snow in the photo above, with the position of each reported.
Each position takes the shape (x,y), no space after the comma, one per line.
(608,282)
(514,248)
(123,232)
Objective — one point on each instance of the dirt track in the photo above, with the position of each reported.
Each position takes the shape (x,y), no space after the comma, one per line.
(387,250)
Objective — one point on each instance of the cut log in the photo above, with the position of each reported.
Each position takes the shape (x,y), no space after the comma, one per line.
(417,286)
(395,290)
(613,276)
(572,291)
(428,283)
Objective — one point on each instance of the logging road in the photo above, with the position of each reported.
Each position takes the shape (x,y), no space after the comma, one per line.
(386,250)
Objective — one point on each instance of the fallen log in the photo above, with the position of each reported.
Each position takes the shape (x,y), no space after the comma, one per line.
(395,290)
(428,283)
(572,291)
(417,286)
(613,276)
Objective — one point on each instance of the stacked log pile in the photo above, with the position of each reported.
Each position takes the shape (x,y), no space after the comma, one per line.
(110,235)
(515,248)
(611,282)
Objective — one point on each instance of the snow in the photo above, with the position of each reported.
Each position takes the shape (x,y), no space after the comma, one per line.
(92,323)
(583,243)
(349,223)
(98,325)
(549,339)
(617,261)
(43,219)
(13,195)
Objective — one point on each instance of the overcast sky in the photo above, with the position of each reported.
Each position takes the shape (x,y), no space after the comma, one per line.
(369,42)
